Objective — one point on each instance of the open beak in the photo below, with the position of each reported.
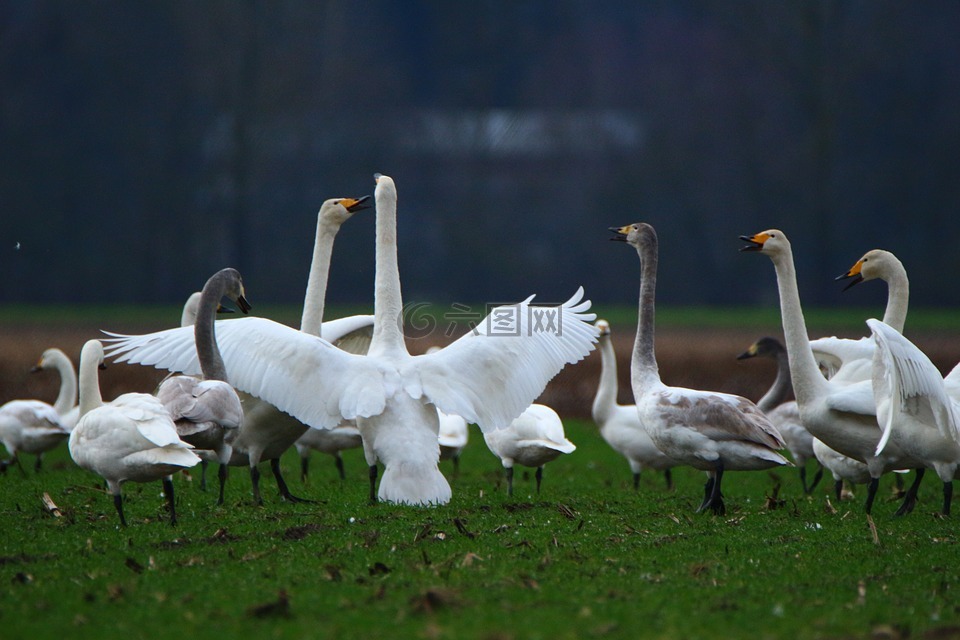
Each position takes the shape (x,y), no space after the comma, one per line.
(755,242)
(621,233)
(353,205)
(854,274)
(243,304)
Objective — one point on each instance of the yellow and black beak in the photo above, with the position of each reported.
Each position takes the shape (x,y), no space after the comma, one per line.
(854,273)
(756,242)
(242,302)
(355,204)
(749,353)
(621,233)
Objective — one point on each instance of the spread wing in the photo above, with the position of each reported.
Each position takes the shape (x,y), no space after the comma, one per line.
(490,375)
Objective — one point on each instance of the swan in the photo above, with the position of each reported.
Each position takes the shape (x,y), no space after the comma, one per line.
(131,438)
(488,376)
(850,360)
(66,403)
(453,433)
(34,426)
(714,432)
(783,413)
(533,439)
(913,407)
(842,415)
(207,410)
(620,424)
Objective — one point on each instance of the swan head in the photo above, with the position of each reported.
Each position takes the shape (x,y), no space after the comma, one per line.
(769,241)
(92,352)
(385,187)
(638,234)
(48,360)
(766,346)
(232,287)
(875,263)
(603,327)
(336,211)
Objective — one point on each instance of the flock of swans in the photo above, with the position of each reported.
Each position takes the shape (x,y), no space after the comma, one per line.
(245,390)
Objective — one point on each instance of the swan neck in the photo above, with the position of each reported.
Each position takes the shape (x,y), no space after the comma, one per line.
(898,300)
(606,399)
(314,300)
(807,379)
(67,397)
(90,397)
(643,369)
(388,299)
(780,389)
(204,332)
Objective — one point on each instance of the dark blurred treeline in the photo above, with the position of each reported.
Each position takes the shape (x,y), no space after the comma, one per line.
(143,145)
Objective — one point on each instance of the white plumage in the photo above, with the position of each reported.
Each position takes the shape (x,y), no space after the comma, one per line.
(533,439)
(131,438)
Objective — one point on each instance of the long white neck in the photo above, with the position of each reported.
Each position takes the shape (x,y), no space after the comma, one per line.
(313,302)
(388,299)
(780,389)
(67,398)
(898,298)
(606,399)
(808,382)
(204,332)
(90,358)
(643,367)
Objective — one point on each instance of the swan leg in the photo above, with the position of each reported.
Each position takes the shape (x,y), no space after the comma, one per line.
(803,479)
(118,504)
(373,484)
(38,465)
(255,481)
(871,493)
(838,488)
(910,500)
(304,468)
(222,474)
(539,476)
(168,491)
(340,471)
(282,485)
(636,481)
(456,466)
(707,492)
(947,496)
(668,476)
(898,484)
(203,475)
(816,480)
(509,481)
(716,496)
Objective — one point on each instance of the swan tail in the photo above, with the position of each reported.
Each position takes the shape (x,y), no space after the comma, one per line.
(418,485)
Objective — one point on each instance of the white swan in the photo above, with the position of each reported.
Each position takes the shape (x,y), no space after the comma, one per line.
(453,433)
(487,377)
(129,439)
(913,406)
(783,413)
(714,432)
(34,426)
(206,410)
(842,415)
(533,439)
(620,424)
(849,360)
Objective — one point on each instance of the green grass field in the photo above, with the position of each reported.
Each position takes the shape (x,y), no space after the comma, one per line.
(588,557)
